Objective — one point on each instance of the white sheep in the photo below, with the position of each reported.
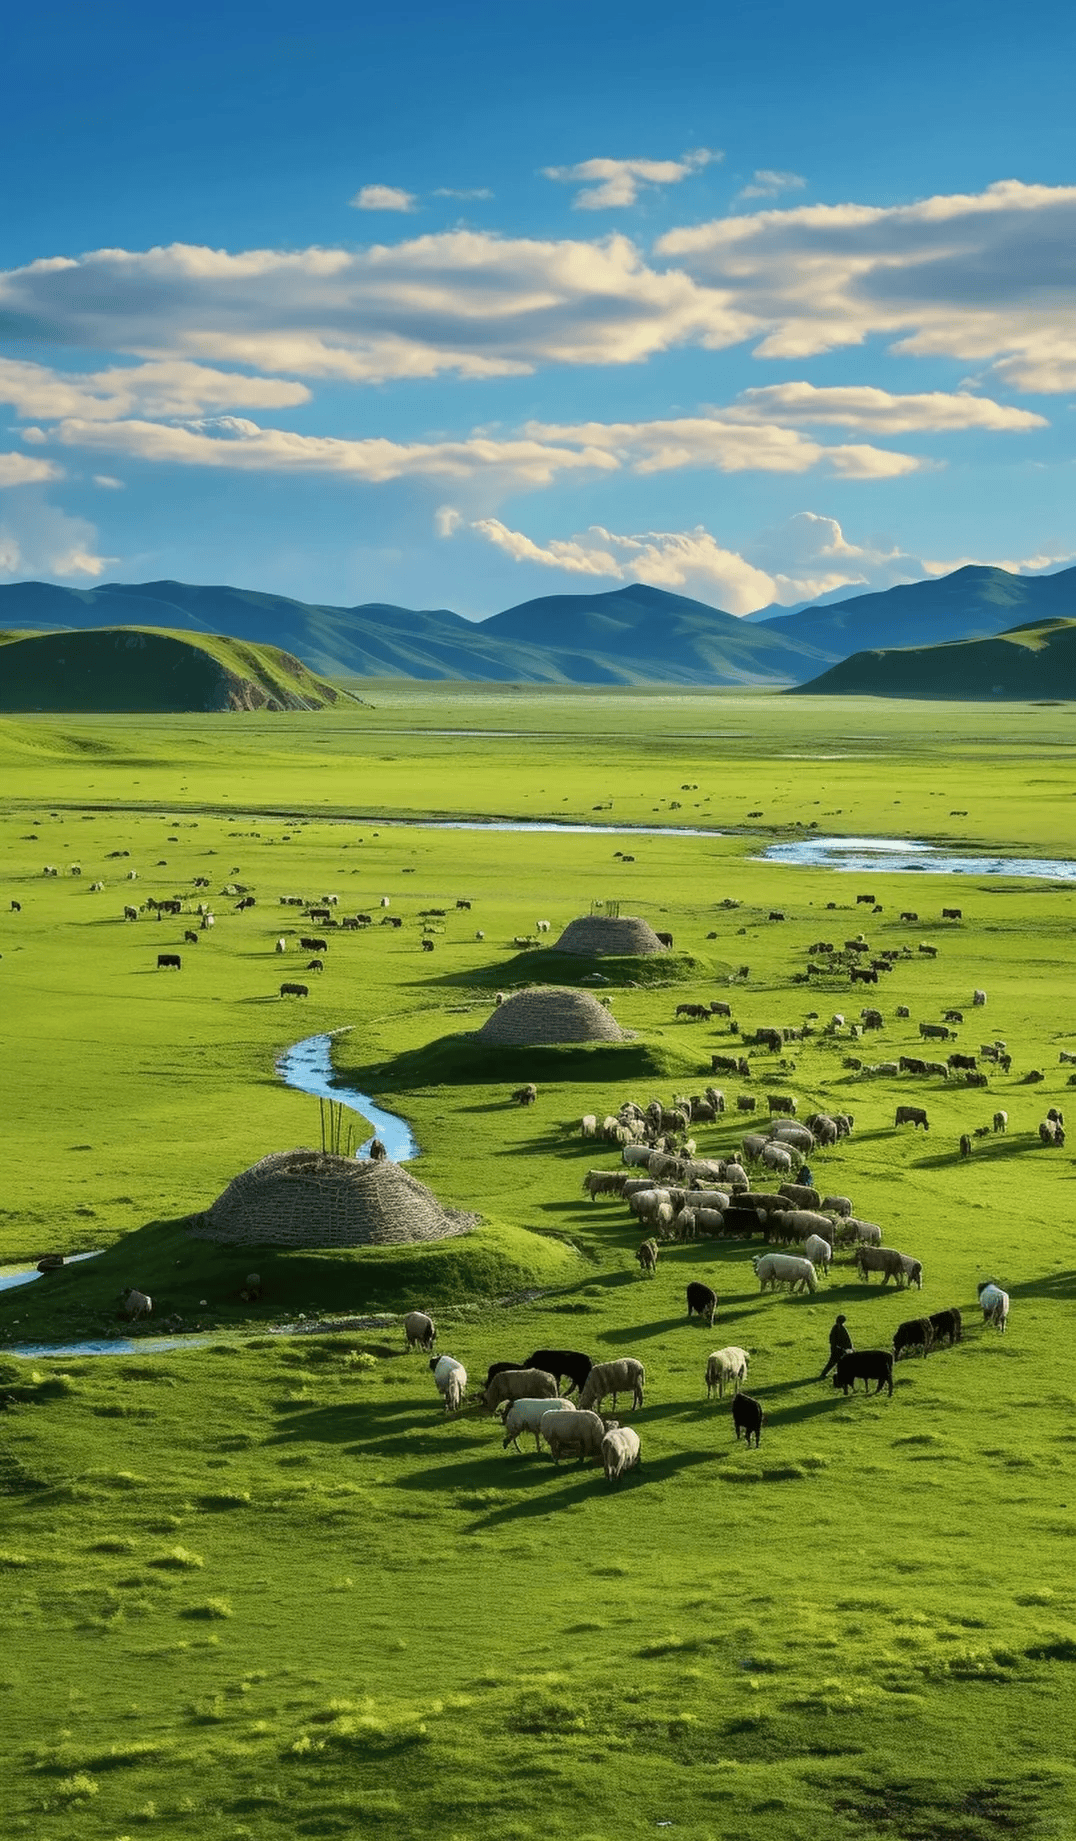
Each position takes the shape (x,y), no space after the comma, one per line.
(777,1158)
(528,1416)
(837,1205)
(140,1304)
(420,1330)
(589,1126)
(582,1432)
(620,1377)
(818,1251)
(620,1452)
(995,1305)
(724,1366)
(736,1177)
(450,1379)
(773,1269)
(282,944)
(519,1384)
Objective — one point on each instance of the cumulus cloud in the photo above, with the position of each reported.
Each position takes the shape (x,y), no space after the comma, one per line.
(619,181)
(664,559)
(768,184)
(25,470)
(880,411)
(38,540)
(171,389)
(986,276)
(384,198)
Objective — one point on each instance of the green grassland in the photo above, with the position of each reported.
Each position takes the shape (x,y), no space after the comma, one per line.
(259,1587)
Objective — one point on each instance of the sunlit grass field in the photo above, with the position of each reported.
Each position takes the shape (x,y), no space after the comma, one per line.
(261,1587)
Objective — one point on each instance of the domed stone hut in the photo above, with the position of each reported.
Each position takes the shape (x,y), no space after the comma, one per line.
(595,935)
(315,1199)
(550,1014)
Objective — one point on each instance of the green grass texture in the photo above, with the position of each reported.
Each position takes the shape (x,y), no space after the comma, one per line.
(258,1585)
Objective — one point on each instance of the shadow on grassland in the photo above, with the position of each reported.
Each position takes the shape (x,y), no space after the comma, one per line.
(556,1496)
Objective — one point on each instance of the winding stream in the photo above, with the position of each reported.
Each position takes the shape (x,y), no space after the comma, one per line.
(308,1067)
(864,854)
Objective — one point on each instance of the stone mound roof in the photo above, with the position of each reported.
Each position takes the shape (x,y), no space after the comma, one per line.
(314,1199)
(551,1015)
(595,934)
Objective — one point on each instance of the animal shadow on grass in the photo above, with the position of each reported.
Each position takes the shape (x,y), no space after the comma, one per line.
(995,1149)
(1060,1286)
(660,1326)
(339,1424)
(584,1485)
(806,1409)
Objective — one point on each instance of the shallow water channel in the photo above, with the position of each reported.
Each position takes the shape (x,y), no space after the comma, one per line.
(864,854)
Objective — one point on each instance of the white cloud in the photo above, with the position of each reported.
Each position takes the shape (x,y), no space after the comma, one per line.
(24,470)
(37,540)
(384,198)
(729,447)
(768,184)
(986,276)
(452,191)
(174,388)
(107,482)
(619,181)
(447,520)
(879,411)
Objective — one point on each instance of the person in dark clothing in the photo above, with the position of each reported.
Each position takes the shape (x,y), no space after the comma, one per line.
(840,1343)
(805,1176)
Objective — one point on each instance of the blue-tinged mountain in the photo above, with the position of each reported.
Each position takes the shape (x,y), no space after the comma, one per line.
(971,603)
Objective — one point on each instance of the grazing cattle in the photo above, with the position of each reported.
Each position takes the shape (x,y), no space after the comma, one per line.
(952,914)
(917,1333)
(780,1102)
(295,990)
(911,1115)
(1056,1115)
(947,1326)
(695,1013)
(701,1301)
(730,1064)
(868,899)
(965,1145)
(994,1303)
(717,1008)
(961,1061)
(525,1096)
(315,965)
(464,904)
(934,1032)
(169,961)
(189,938)
(378,1152)
(909,915)
(865,1365)
(748,1418)
(863,974)
(954,1016)
(563,1364)
(978,998)
(746,1102)
(307,944)
(776,915)
(427,945)
(1001,1121)
(912,1064)
(666,939)
(130,913)
(724,1366)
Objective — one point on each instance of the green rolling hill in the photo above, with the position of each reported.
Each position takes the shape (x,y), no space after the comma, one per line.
(1028,663)
(150,669)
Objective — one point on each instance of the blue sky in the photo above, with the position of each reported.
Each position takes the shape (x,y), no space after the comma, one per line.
(457,306)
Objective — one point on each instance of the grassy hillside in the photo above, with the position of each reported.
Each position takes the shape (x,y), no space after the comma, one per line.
(143,668)
(1034,661)
(258,1587)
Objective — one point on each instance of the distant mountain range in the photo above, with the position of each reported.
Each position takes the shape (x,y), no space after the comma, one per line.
(632,635)
(150,669)
(1035,662)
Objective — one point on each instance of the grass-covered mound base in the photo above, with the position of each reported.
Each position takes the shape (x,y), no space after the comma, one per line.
(144,669)
(471,1060)
(200,1281)
(548,966)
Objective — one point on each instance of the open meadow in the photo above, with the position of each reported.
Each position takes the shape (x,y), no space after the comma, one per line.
(259,1585)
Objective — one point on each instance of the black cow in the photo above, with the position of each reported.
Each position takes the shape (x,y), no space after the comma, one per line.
(701,1301)
(916,1333)
(427,945)
(309,945)
(665,938)
(561,1363)
(947,1326)
(189,938)
(464,904)
(16,907)
(961,1061)
(315,965)
(169,961)
(865,1365)
(295,990)
(748,1416)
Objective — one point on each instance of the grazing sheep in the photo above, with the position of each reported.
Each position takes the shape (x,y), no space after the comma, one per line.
(978,998)
(724,1367)
(620,1377)
(947,1326)
(701,1301)
(837,1205)
(748,1418)
(818,1251)
(858,1233)
(746,1102)
(589,1126)
(916,1333)
(647,1255)
(138,1304)
(620,1452)
(450,1380)
(281,945)
(801,1195)
(519,1384)
(775,1157)
(528,1416)
(773,1269)
(913,1271)
(995,1304)
(965,1145)
(603,1182)
(130,913)
(1056,1115)
(865,1365)
(378,1152)
(736,1176)
(781,1102)
(581,1432)
(525,1096)
(1001,1120)
(420,1330)
(799,1137)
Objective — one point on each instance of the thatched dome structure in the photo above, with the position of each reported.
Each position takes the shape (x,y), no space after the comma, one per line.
(596,934)
(314,1199)
(550,1014)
